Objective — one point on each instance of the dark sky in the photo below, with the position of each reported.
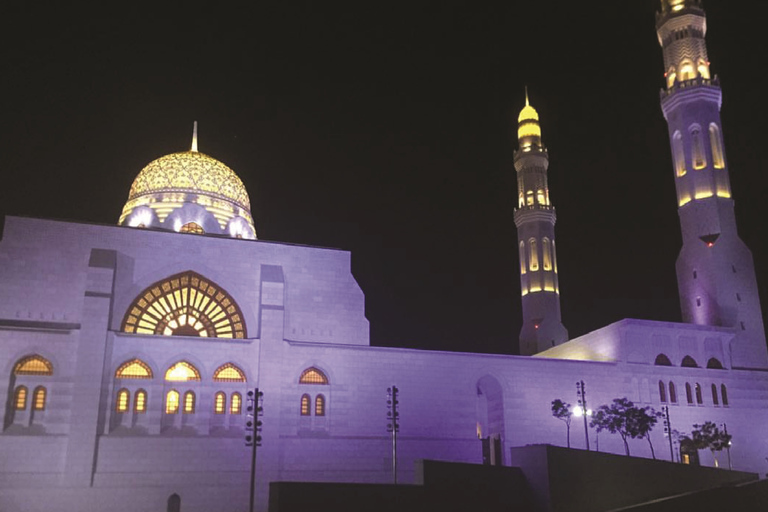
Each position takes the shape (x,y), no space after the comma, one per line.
(387,129)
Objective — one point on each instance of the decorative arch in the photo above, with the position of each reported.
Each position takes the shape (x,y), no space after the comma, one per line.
(716,143)
(185,304)
(182,371)
(134,369)
(689,362)
(313,376)
(715,364)
(34,364)
(662,360)
(192,227)
(228,372)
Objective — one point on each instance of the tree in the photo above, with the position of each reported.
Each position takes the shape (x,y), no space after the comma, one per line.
(708,435)
(562,411)
(629,421)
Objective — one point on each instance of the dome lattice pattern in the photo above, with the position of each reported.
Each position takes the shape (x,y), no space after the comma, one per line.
(190,171)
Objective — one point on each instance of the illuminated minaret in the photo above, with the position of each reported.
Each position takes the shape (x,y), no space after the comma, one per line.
(715,272)
(535,221)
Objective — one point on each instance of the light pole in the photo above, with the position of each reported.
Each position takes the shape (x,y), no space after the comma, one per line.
(581,395)
(728,448)
(253,410)
(668,431)
(393,425)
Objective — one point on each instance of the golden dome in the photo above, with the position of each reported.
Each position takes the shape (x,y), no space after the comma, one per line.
(528,114)
(191,172)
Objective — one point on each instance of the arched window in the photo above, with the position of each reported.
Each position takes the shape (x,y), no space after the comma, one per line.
(319,405)
(724,394)
(699,398)
(533,255)
(672,393)
(541,197)
(714,364)
(689,393)
(20,398)
(192,227)
(38,398)
(554,256)
(703,69)
(523,270)
(174,503)
(305,405)
(662,392)
(236,404)
(134,369)
(189,402)
(662,360)
(313,376)
(185,304)
(220,403)
(182,371)
(686,71)
(671,77)
(33,365)
(172,402)
(697,145)
(228,373)
(678,154)
(123,399)
(140,401)
(689,362)
(716,142)
(714,395)
(546,254)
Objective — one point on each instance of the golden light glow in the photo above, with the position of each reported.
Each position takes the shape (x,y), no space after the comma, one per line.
(319,405)
(192,227)
(134,369)
(528,122)
(182,371)
(123,399)
(220,403)
(723,193)
(228,373)
(33,365)
(20,401)
(528,129)
(172,402)
(533,256)
(38,399)
(236,405)
(189,402)
(524,292)
(703,195)
(305,405)
(185,304)
(677,7)
(685,199)
(190,171)
(313,376)
(546,254)
(140,401)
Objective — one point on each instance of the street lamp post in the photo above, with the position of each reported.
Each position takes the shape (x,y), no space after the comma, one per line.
(393,425)
(728,448)
(254,409)
(668,431)
(581,394)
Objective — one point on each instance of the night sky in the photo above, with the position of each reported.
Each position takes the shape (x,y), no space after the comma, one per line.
(387,129)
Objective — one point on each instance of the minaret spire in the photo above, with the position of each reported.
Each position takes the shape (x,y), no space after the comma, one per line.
(194,137)
(535,221)
(715,271)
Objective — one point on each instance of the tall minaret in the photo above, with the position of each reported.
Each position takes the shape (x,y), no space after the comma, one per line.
(535,221)
(715,272)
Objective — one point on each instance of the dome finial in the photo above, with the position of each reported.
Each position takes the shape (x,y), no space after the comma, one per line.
(526,96)
(194,137)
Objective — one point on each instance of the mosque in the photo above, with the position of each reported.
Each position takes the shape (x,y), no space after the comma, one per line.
(129,350)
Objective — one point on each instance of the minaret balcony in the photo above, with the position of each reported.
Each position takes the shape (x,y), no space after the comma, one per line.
(685,84)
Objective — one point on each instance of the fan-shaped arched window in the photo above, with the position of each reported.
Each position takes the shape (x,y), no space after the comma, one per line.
(192,227)
(140,401)
(20,398)
(672,393)
(185,304)
(220,403)
(236,404)
(689,362)
(714,364)
(662,360)
(228,372)
(662,392)
(123,399)
(33,365)
(313,376)
(182,371)
(134,369)
(319,405)
(305,405)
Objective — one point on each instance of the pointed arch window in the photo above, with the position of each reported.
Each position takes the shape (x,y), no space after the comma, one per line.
(662,360)
(123,400)
(714,395)
(38,398)
(662,392)
(186,304)
(671,77)
(546,254)
(714,364)
(554,256)
(33,365)
(533,255)
(689,393)
(140,401)
(523,270)
(228,372)
(220,403)
(134,369)
(172,402)
(20,398)
(689,362)
(189,402)
(305,405)
(672,393)
(716,142)
(687,71)
(699,397)
(678,154)
(182,371)
(697,145)
(703,69)
(319,405)
(236,404)
(313,376)
(724,394)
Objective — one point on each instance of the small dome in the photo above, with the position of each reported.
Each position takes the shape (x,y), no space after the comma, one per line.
(528,114)
(191,172)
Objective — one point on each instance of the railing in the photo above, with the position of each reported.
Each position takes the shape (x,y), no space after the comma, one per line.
(693,82)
